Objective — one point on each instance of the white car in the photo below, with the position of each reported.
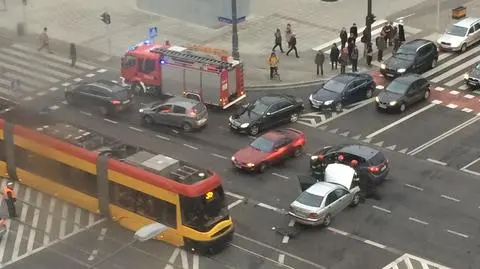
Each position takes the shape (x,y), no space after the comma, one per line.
(318,204)
(461,35)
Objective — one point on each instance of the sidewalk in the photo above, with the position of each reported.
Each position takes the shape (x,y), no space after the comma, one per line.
(314,22)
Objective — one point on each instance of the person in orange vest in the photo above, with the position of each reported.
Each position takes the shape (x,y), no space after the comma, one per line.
(10,198)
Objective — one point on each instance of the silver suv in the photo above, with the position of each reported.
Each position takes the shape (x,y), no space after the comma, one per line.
(461,35)
(175,111)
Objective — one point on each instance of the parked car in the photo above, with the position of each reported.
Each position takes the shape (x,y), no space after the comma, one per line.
(266,112)
(416,56)
(176,111)
(371,163)
(461,35)
(342,90)
(106,96)
(472,78)
(271,148)
(318,204)
(403,92)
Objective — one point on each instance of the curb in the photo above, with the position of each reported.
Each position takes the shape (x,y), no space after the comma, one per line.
(282,86)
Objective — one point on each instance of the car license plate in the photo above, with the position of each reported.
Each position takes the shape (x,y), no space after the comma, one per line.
(126,101)
(382,106)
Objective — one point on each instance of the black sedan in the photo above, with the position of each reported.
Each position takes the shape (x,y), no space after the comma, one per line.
(266,112)
(369,163)
(343,90)
(416,56)
(402,92)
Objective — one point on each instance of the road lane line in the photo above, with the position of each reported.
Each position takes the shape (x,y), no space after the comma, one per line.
(85,113)
(93,255)
(414,187)
(409,264)
(450,198)
(280,176)
(395,123)
(174,256)
(281,259)
(135,129)
(269,207)
(234,204)
(444,135)
(78,215)
(471,172)
(291,223)
(437,162)
(471,163)
(260,256)
(360,105)
(418,221)
(183,255)
(103,232)
(21,227)
(162,137)
(219,156)
(382,209)
(63,221)
(3,243)
(196,262)
(111,121)
(190,146)
(36,216)
(234,195)
(48,225)
(375,244)
(338,231)
(457,233)
(285,239)
(91,218)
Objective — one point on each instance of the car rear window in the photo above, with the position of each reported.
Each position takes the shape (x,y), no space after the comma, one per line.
(122,94)
(377,159)
(310,199)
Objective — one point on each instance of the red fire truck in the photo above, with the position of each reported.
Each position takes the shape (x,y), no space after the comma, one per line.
(174,70)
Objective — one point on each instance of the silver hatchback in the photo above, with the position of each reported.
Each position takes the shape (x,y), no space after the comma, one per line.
(461,35)
(176,111)
(318,204)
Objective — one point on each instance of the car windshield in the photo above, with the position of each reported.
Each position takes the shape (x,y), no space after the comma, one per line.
(309,199)
(405,54)
(334,86)
(456,31)
(397,87)
(262,144)
(258,108)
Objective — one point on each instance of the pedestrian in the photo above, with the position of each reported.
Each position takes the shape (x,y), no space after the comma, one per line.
(401,32)
(343,37)
(278,40)
(369,54)
(167,43)
(354,32)
(334,54)
(273,61)
(73,54)
(387,30)
(10,198)
(288,34)
(381,46)
(319,60)
(45,41)
(293,45)
(354,58)
(343,60)
(350,45)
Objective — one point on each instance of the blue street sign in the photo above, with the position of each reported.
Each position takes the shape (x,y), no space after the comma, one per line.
(230,21)
(152,32)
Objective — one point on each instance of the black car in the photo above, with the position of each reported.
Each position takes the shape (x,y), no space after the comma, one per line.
(472,78)
(416,56)
(266,112)
(371,163)
(403,92)
(342,90)
(106,96)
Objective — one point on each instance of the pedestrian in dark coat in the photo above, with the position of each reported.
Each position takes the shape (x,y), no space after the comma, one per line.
(343,37)
(343,60)
(278,40)
(319,60)
(369,54)
(354,58)
(401,32)
(293,45)
(288,34)
(334,54)
(354,32)
(350,45)
(381,46)
(73,54)
(396,42)
(387,30)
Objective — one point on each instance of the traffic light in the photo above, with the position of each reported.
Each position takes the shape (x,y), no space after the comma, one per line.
(371,18)
(106,18)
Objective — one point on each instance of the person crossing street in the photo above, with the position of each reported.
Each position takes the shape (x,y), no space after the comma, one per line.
(10,197)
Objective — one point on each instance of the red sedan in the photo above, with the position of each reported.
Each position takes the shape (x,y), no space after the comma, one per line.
(272,147)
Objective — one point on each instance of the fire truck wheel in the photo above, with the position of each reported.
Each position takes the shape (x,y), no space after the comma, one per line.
(186,127)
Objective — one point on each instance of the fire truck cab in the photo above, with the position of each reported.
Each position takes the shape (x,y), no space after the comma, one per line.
(175,70)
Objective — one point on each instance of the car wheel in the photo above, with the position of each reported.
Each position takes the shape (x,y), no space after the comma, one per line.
(356,200)
(463,48)
(297,152)
(103,110)
(69,98)
(137,88)
(426,94)
(294,117)
(187,127)
(254,129)
(327,220)
(434,63)
(147,120)
(403,107)
(369,94)
(262,167)
(338,107)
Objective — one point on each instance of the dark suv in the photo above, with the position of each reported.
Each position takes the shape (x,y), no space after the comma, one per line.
(416,56)
(106,96)
(372,164)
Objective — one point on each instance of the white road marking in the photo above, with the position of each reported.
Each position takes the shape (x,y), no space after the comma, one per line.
(452,106)
(63,221)
(234,195)
(36,216)
(183,255)
(450,198)
(454,81)
(48,225)
(219,156)
(281,258)
(451,62)
(443,56)
(463,87)
(103,232)
(260,256)
(78,216)
(269,207)
(28,98)
(21,227)
(382,209)
(41,93)
(414,187)
(291,223)
(454,70)
(196,262)
(285,239)
(437,162)
(444,135)
(102,70)
(418,221)
(234,204)
(280,176)
(337,231)
(111,121)
(77,79)
(471,163)
(174,255)
(53,108)
(162,137)
(3,243)
(93,255)
(85,113)
(360,105)
(467,110)
(135,129)
(66,84)
(90,75)
(375,244)
(190,146)
(436,102)
(440,89)
(457,233)
(393,124)
(475,173)
(469,96)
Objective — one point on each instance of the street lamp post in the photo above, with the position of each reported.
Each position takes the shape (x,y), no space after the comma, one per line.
(438,15)
(368,23)
(235,52)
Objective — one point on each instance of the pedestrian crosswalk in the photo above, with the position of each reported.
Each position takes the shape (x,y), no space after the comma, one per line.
(42,220)
(408,261)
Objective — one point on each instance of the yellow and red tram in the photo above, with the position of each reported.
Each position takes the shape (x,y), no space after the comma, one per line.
(121,181)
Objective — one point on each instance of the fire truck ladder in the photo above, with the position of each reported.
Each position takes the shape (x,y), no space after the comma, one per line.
(189,56)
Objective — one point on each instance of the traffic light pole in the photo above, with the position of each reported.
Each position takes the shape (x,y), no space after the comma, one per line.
(368,23)
(235,52)
(109,40)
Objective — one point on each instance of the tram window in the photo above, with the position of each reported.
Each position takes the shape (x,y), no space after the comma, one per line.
(165,213)
(122,196)
(56,171)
